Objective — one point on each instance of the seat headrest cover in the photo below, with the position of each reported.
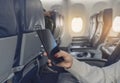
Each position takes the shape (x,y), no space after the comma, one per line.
(8,24)
(33,14)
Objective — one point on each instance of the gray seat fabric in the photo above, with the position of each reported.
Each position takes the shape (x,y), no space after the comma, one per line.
(33,19)
(33,15)
(7,53)
(30,48)
(8,38)
(7,27)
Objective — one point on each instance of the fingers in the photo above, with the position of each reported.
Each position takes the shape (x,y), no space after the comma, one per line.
(49,62)
(45,54)
(67,59)
(59,54)
(62,54)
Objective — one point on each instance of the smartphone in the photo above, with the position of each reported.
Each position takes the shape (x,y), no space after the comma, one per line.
(49,45)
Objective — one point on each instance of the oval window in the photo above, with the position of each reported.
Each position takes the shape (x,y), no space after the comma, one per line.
(77,24)
(116,24)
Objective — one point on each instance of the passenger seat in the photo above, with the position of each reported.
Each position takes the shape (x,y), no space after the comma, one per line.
(8,39)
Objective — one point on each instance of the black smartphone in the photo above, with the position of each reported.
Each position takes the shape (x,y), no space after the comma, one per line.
(49,45)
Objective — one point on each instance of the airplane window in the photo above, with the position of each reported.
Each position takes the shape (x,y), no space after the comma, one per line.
(77,24)
(116,24)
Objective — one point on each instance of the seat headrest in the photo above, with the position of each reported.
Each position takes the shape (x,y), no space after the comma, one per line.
(107,16)
(8,23)
(33,17)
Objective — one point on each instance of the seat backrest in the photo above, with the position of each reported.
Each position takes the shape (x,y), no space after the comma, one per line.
(8,38)
(33,19)
(90,26)
(107,20)
(6,14)
(7,53)
(93,27)
(104,25)
(98,32)
(33,16)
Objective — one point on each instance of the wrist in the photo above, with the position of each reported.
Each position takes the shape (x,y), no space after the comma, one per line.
(69,64)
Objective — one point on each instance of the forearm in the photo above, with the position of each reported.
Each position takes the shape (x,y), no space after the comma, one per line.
(91,74)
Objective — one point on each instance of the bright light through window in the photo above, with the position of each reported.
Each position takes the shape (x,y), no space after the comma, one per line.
(116,24)
(77,24)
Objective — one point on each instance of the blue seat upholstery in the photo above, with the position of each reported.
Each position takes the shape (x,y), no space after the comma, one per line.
(8,38)
(32,15)
(31,18)
(7,27)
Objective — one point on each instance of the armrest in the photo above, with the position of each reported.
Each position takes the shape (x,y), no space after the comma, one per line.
(81,49)
(82,37)
(81,43)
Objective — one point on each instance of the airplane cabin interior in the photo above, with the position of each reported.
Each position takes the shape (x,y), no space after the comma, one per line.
(89,30)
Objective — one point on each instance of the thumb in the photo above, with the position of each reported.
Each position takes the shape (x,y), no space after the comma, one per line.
(60,54)
(62,64)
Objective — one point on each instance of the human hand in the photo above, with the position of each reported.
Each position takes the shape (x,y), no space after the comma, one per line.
(68,60)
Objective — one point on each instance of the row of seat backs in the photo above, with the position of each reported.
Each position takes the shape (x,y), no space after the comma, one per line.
(15,21)
(104,25)
(8,38)
(113,58)
(31,18)
(100,24)
(107,22)
(29,45)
